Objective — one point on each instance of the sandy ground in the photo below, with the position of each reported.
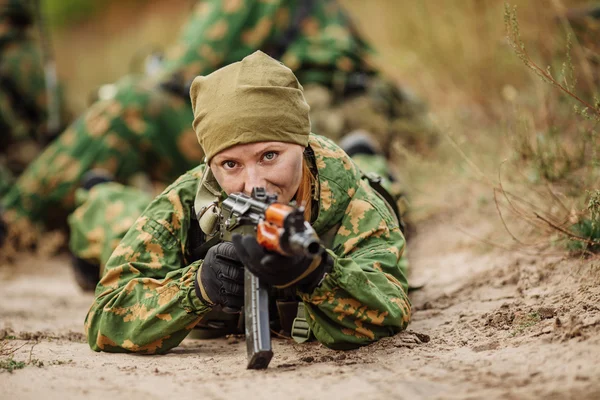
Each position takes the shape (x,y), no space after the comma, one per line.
(488,324)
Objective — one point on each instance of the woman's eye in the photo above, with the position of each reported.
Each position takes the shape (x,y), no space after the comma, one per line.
(270,155)
(228,164)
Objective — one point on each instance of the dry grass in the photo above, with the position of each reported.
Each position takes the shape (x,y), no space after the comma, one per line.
(113,43)
(512,142)
(457,51)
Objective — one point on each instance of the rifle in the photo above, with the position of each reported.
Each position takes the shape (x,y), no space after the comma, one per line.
(278,227)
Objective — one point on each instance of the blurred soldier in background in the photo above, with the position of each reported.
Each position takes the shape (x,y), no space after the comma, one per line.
(146,126)
(24,101)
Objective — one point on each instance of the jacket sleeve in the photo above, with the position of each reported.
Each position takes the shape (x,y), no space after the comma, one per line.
(364,297)
(146,301)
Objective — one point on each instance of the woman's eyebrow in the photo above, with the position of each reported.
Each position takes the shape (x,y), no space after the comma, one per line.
(222,158)
(269,147)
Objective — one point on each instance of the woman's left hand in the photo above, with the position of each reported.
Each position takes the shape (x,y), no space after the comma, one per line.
(280,270)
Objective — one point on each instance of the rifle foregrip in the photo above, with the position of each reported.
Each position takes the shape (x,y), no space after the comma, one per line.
(268,236)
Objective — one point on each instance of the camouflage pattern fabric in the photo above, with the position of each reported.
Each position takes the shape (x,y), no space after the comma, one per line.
(146,300)
(140,129)
(377,164)
(103,216)
(147,129)
(6,178)
(22,91)
(224,31)
(17,10)
(392,116)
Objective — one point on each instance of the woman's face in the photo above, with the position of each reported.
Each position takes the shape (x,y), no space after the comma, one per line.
(276,166)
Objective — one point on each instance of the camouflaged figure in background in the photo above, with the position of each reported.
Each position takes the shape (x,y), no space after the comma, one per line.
(23,102)
(146,301)
(146,126)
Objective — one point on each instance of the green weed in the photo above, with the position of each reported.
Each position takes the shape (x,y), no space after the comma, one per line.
(10,364)
(588,228)
(528,321)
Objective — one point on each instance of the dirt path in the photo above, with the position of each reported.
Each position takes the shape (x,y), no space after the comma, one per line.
(486,325)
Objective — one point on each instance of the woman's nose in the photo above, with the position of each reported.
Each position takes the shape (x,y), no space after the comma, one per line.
(253,179)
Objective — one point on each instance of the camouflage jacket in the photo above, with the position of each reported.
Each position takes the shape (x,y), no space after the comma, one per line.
(220,32)
(22,85)
(146,300)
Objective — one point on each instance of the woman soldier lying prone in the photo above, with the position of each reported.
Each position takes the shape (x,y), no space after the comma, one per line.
(252,122)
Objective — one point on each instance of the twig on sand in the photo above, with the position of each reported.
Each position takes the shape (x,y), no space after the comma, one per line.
(31,352)
(566,232)
(279,335)
(15,349)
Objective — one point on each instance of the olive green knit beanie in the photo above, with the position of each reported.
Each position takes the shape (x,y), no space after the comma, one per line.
(254,100)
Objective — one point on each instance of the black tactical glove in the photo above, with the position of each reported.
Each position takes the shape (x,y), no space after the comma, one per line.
(221,278)
(279,270)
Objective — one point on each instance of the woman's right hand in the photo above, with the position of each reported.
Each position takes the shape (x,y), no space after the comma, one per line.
(220,280)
